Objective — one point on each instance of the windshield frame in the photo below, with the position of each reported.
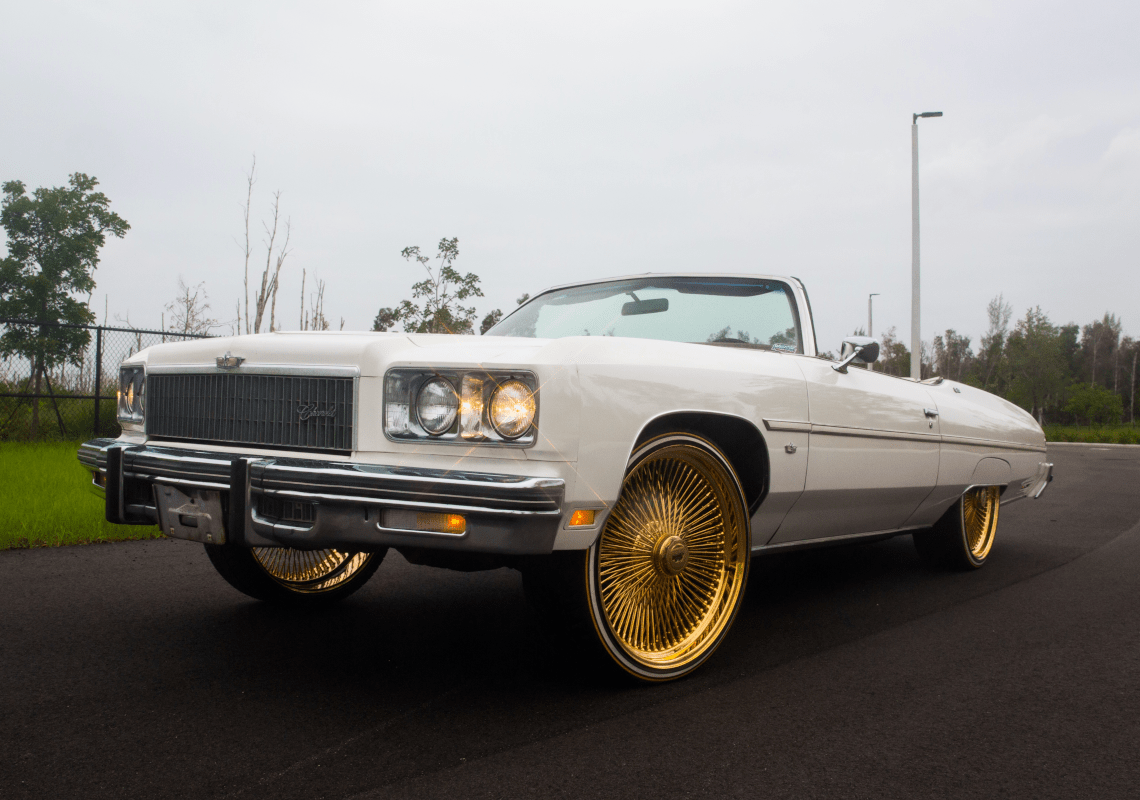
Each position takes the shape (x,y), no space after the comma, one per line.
(794,290)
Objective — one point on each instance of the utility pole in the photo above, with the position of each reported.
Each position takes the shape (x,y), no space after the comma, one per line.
(871,323)
(915,277)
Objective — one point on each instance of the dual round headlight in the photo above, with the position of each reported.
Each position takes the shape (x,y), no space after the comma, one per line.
(511,410)
(437,406)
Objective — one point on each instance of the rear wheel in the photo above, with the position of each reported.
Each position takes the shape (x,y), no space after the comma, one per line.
(666,576)
(964,536)
(288,575)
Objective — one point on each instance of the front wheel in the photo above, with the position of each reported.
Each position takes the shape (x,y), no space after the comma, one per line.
(298,577)
(964,536)
(666,576)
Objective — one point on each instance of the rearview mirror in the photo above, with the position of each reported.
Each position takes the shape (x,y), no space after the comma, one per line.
(858,350)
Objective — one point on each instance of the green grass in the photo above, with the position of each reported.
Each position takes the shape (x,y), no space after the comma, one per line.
(47,502)
(1106,434)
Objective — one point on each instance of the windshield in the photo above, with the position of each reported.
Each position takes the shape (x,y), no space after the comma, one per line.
(734,311)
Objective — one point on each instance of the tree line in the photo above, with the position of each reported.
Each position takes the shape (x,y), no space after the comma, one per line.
(1062,374)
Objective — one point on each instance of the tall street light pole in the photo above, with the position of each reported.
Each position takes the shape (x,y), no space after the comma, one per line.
(870,322)
(915,282)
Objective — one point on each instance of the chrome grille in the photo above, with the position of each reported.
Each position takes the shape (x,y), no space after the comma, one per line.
(298,412)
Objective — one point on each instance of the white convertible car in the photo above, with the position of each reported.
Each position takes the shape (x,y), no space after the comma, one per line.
(628,444)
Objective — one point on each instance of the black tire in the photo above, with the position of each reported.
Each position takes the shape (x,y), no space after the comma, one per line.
(963,538)
(294,577)
(678,531)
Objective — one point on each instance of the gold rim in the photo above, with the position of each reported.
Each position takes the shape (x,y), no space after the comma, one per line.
(310,571)
(672,559)
(979,519)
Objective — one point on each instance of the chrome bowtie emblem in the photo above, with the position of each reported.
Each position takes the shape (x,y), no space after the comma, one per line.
(229,361)
(309,410)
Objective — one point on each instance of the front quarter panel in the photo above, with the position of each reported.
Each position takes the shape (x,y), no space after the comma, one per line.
(628,383)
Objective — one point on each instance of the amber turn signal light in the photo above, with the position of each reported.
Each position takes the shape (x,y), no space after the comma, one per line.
(582,517)
(441,523)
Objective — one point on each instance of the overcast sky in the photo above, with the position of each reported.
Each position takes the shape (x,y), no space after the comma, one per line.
(595,139)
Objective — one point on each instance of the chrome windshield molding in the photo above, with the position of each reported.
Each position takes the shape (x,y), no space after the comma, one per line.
(304,370)
(993,443)
(787,425)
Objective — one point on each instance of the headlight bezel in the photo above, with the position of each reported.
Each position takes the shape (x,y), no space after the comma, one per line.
(130,408)
(473,386)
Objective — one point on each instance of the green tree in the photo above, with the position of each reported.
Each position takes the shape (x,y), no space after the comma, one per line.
(986,366)
(492,319)
(1035,361)
(1094,404)
(54,237)
(1100,343)
(894,357)
(953,357)
(439,296)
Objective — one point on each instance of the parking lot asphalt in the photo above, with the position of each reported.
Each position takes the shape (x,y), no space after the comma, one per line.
(133,670)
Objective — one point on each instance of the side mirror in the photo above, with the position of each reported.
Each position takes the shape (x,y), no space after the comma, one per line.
(857,349)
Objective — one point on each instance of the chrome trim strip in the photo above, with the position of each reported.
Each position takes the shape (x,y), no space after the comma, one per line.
(994,443)
(413,504)
(787,425)
(356,411)
(410,532)
(849,537)
(406,474)
(169,481)
(304,370)
(872,433)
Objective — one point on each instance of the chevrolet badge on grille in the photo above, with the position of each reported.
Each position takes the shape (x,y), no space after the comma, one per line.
(229,361)
(309,411)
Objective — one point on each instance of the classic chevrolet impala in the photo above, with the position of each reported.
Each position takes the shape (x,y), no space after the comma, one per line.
(628,444)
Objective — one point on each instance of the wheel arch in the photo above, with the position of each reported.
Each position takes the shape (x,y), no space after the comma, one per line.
(740,441)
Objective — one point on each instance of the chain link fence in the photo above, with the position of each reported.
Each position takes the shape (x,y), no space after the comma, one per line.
(76,398)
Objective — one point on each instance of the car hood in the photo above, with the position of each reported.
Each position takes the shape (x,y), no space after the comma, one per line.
(372,353)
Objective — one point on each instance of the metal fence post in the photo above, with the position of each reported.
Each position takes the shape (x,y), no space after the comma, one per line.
(98,376)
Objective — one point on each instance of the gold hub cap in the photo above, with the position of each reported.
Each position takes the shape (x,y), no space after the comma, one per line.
(979,519)
(309,571)
(672,557)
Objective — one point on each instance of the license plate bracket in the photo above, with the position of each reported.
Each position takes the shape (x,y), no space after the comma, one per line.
(191,514)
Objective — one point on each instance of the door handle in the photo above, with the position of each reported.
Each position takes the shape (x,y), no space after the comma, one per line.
(930,412)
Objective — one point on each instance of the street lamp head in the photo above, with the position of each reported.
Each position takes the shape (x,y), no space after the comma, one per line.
(925,114)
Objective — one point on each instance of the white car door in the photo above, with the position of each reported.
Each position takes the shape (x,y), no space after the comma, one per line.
(872,454)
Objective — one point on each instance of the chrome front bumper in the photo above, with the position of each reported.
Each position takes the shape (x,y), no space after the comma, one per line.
(505,514)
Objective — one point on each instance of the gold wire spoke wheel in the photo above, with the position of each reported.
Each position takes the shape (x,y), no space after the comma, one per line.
(671,563)
(979,519)
(310,571)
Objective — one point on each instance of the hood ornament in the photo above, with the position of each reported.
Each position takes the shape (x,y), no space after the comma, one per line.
(229,361)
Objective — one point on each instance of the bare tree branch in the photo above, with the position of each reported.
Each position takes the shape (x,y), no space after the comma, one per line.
(249,179)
